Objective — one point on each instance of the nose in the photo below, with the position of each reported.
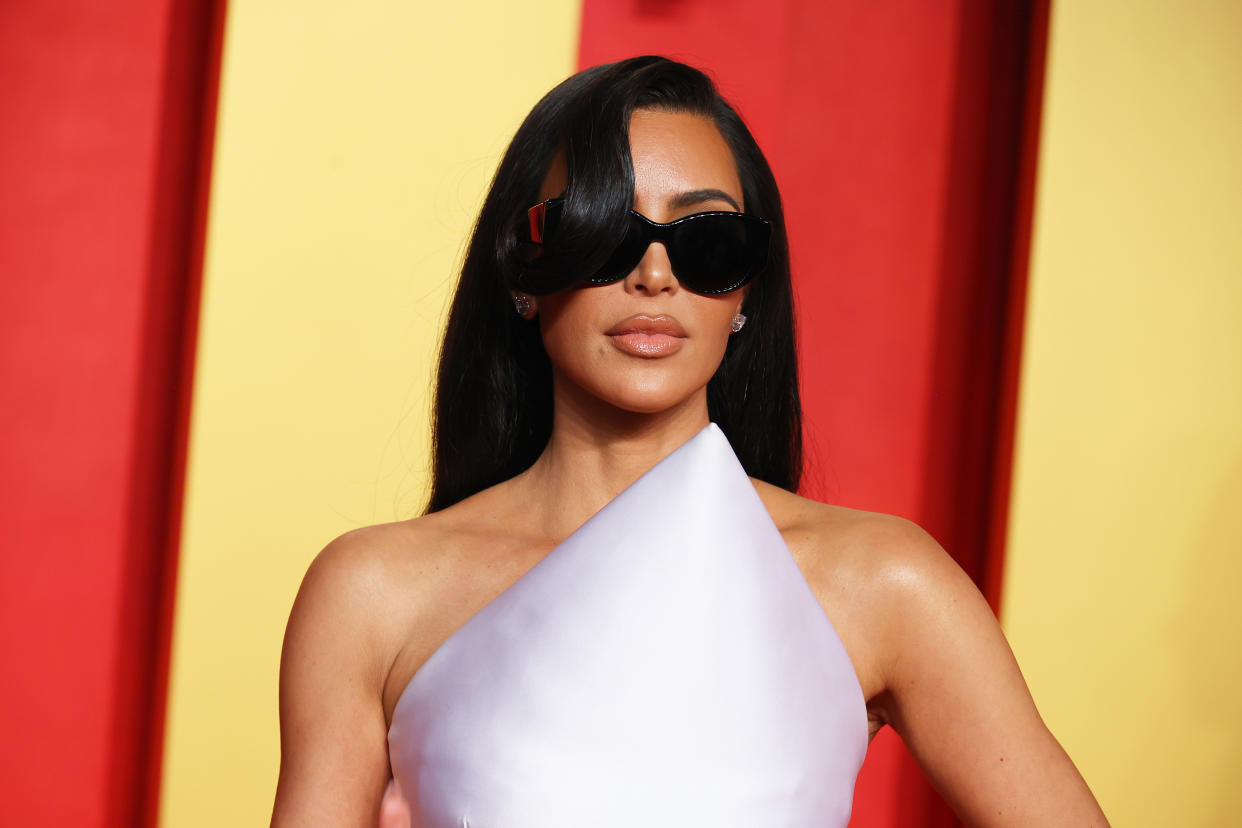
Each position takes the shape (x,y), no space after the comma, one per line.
(654,272)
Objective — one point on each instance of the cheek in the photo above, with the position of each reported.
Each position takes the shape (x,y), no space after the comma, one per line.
(569,352)
(714,345)
(567,328)
(718,317)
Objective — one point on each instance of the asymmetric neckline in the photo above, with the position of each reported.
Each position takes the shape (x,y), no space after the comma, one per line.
(668,657)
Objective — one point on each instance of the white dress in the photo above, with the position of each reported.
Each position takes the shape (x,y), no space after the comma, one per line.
(666,665)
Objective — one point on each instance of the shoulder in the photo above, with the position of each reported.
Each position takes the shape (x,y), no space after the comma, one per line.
(934,663)
(374,587)
(888,586)
(881,551)
(360,591)
(905,604)
(343,632)
(364,563)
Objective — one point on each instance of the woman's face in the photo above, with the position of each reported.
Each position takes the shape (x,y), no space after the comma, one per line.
(646,344)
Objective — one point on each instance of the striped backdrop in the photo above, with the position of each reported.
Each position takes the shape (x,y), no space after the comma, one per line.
(229,236)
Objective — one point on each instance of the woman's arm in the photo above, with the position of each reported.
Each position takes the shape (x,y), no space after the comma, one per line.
(333,736)
(954,693)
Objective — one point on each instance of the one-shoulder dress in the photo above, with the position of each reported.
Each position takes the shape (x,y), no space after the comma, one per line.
(666,665)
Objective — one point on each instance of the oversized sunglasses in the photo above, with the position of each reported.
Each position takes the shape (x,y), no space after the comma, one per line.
(711,253)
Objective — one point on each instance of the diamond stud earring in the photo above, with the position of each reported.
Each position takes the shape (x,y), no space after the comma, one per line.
(738,321)
(522,304)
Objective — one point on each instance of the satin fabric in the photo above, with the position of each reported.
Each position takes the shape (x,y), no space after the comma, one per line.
(667,664)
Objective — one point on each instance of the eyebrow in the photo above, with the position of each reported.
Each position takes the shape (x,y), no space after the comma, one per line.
(693,197)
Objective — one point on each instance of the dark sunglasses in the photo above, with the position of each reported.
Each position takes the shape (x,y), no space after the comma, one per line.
(711,253)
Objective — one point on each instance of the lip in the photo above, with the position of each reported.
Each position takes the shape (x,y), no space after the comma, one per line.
(647,336)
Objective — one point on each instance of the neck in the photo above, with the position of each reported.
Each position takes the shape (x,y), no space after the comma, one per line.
(597,450)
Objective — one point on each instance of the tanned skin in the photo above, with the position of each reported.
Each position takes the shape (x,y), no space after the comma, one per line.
(929,654)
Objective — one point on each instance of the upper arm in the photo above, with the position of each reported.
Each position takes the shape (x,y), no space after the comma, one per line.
(333,736)
(954,693)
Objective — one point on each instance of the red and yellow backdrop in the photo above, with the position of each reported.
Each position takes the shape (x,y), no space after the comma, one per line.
(228,239)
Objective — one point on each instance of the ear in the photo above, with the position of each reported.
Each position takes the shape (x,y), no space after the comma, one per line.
(741,298)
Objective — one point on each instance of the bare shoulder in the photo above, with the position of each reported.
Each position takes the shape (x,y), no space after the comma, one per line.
(396,591)
(367,564)
(356,592)
(880,573)
(934,664)
(362,561)
(881,552)
(343,633)
(881,579)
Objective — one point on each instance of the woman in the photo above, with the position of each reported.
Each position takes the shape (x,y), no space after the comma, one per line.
(702,650)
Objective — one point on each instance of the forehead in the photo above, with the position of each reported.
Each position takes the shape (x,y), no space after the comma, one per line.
(676,152)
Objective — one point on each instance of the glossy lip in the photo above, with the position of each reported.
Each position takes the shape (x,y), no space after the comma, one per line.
(647,336)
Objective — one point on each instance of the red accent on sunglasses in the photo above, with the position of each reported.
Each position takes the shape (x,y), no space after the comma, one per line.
(536,217)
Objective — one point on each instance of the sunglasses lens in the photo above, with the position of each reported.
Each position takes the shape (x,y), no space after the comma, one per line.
(710,253)
(627,255)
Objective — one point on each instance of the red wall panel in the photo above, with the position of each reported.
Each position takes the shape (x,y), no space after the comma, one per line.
(894,130)
(103,119)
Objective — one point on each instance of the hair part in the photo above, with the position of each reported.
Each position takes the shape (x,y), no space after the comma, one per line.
(493,401)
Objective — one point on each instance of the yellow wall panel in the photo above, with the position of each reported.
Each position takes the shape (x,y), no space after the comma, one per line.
(354,144)
(1125,549)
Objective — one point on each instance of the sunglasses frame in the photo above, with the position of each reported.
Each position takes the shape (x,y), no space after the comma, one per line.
(539,215)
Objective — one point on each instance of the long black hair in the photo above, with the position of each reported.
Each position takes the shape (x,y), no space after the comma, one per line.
(493,403)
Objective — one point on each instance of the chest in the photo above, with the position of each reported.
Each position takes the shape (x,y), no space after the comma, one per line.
(682,676)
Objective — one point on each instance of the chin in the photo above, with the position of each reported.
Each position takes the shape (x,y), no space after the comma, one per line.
(651,387)
(647,398)
(646,406)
